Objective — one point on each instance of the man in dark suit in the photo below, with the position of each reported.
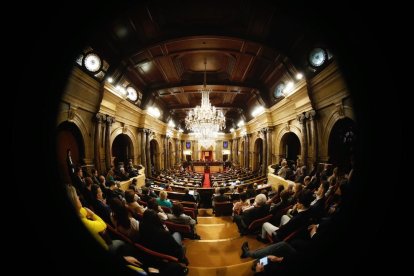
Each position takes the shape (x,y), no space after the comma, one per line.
(221,197)
(259,210)
(187,196)
(301,219)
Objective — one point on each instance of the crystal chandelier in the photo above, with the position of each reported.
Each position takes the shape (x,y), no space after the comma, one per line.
(205,120)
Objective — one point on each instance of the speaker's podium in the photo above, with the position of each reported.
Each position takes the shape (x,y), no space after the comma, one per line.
(208,166)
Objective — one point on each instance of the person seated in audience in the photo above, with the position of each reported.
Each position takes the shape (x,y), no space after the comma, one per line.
(163,201)
(187,196)
(284,169)
(168,188)
(122,220)
(144,194)
(102,182)
(133,206)
(110,175)
(153,204)
(276,197)
(151,192)
(298,253)
(287,226)
(314,182)
(265,192)
(96,226)
(259,210)
(240,189)
(318,204)
(276,208)
(221,197)
(250,191)
(155,236)
(94,176)
(241,205)
(99,204)
(300,174)
(133,185)
(78,180)
(179,217)
(306,181)
(86,192)
(131,170)
(297,188)
(121,175)
(113,191)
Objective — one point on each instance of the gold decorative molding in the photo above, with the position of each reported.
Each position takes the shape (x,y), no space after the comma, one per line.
(72,112)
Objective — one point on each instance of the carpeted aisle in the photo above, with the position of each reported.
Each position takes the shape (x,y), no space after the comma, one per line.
(206,183)
(218,251)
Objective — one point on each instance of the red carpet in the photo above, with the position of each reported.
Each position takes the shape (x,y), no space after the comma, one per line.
(206,183)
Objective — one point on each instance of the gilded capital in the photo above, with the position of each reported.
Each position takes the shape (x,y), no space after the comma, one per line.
(311,114)
(110,120)
(301,118)
(99,117)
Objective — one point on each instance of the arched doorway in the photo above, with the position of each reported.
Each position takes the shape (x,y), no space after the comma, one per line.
(69,137)
(290,147)
(122,150)
(154,155)
(341,143)
(241,156)
(258,154)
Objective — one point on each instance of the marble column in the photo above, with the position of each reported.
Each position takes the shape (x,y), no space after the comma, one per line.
(143,149)
(148,132)
(177,155)
(237,151)
(264,151)
(314,135)
(165,152)
(304,155)
(99,118)
(246,151)
(231,150)
(108,160)
(182,151)
(269,145)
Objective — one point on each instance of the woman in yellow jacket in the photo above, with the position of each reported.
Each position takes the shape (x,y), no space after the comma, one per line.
(96,225)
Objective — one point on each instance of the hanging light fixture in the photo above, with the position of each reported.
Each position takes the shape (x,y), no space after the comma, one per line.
(205,120)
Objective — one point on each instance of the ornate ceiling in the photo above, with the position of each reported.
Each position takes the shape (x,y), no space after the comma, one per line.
(160,46)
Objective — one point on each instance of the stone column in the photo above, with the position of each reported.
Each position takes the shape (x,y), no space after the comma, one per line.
(304,155)
(169,150)
(269,145)
(237,150)
(314,135)
(143,149)
(108,160)
(182,150)
(264,152)
(246,151)
(99,117)
(165,151)
(231,150)
(148,132)
(177,156)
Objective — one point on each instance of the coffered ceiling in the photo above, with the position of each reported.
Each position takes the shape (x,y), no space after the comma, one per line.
(160,47)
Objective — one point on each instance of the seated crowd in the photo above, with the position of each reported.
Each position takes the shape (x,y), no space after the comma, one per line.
(299,211)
